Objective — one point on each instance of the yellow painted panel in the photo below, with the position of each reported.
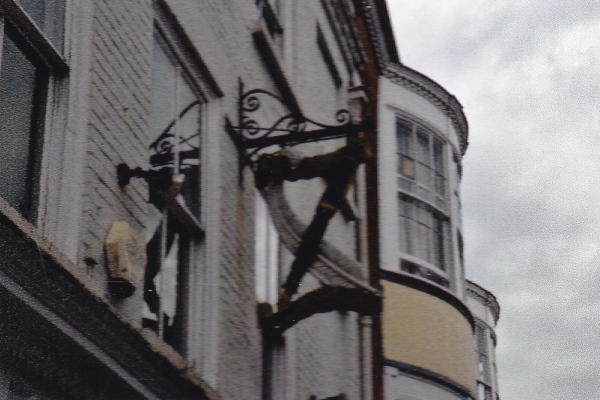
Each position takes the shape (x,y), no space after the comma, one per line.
(424,331)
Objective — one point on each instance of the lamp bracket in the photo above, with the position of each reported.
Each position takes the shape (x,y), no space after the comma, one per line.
(266,120)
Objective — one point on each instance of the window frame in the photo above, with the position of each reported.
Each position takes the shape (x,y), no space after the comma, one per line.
(435,266)
(33,34)
(174,207)
(411,162)
(48,61)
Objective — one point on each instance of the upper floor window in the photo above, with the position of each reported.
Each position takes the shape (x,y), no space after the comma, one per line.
(421,162)
(176,233)
(423,226)
(484,350)
(31,32)
(482,338)
(422,231)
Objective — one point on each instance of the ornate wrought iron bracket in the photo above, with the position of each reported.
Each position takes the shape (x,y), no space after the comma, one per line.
(265,120)
(176,148)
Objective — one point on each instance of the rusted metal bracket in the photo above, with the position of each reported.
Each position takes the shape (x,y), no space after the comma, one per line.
(337,169)
(322,300)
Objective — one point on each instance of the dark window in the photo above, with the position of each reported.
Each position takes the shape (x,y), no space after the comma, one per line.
(31,34)
(22,93)
(166,282)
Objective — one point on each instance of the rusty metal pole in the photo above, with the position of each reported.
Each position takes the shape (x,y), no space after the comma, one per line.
(370,79)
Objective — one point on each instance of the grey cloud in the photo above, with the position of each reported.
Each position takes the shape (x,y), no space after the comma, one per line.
(516,29)
(531,180)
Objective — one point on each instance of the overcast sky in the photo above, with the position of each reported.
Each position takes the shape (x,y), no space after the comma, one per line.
(528,75)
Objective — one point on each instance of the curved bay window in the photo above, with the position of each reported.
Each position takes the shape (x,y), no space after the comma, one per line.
(423,226)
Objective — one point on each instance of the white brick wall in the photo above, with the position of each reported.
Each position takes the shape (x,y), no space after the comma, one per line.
(227,351)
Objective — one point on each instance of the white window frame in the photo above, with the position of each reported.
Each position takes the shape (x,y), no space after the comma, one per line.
(426,199)
(408,168)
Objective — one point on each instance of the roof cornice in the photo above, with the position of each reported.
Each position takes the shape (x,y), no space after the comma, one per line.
(380,30)
(484,296)
(435,93)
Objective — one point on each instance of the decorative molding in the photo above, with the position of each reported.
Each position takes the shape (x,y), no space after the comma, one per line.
(436,94)
(375,32)
(376,16)
(485,297)
(339,15)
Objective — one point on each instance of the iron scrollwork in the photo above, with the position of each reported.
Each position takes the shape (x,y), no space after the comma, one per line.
(178,145)
(250,128)
(266,120)
(187,143)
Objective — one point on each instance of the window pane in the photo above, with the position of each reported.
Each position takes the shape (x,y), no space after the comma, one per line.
(440,185)
(481,339)
(403,135)
(439,245)
(438,156)
(405,184)
(407,166)
(480,391)
(49,15)
(423,153)
(163,86)
(18,109)
(406,210)
(176,113)
(166,286)
(424,175)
